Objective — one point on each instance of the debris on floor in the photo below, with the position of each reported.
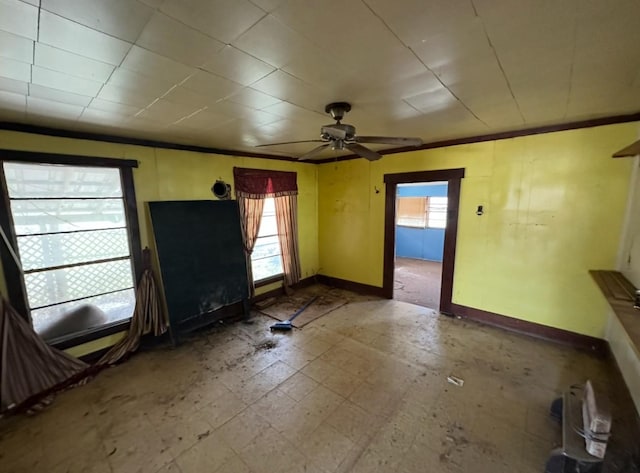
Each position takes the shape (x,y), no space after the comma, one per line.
(260,305)
(455,380)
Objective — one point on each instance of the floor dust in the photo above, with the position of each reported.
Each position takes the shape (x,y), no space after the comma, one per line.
(361,389)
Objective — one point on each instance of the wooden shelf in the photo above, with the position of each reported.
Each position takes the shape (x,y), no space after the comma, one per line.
(619,292)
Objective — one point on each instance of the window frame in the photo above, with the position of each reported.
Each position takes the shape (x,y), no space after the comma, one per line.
(14,279)
(274,277)
(424,225)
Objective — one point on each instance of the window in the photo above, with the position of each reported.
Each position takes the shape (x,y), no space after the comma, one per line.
(436,212)
(412,212)
(266,259)
(73,244)
(422,212)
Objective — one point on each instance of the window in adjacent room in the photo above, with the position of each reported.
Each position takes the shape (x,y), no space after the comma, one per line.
(73,244)
(436,212)
(422,212)
(266,259)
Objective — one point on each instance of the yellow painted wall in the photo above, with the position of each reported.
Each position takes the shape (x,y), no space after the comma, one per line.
(554,205)
(182,175)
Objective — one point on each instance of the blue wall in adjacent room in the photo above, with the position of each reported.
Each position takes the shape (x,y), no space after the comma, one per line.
(421,243)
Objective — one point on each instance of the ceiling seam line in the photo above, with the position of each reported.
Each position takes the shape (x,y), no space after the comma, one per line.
(495,54)
(423,64)
(573,58)
(131,45)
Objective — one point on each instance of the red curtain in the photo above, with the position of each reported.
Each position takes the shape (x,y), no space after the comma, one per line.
(250,216)
(259,183)
(252,186)
(287,219)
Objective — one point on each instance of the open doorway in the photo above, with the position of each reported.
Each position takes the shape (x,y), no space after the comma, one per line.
(421,220)
(453,178)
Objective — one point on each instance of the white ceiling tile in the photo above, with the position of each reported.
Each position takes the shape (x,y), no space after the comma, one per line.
(562,61)
(268,5)
(232,109)
(183,96)
(65,34)
(151,64)
(211,86)
(19,18)
(320,69)
(273,42)
(15,70)
(466,42)
(71,64)
(287,87)
(12,101)
(113,107)
(224,20)
(16,47)
(253,98)
(204,120)
(49,108)
(144,85)
(94,115)
(14,86)
(177,41)
(238,66)
(60,81)
(332,28)
(55,95)
(259,118)
(132,97)
(433,100)
(144,127)
(415,20)
(166,112)
(405,87)
(290,111)
(153,3)
(123,19)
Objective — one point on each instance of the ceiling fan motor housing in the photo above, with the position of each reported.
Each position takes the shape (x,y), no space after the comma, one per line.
(337,110)
(326,132)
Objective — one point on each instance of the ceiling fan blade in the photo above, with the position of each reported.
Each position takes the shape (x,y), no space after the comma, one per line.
(335,132)
(289,143)
(313,152)
(389,140)
(362,151)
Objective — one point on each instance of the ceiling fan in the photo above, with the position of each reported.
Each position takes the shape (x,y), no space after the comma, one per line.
(341,136)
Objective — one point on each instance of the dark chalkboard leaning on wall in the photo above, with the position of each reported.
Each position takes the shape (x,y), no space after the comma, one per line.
(202,261)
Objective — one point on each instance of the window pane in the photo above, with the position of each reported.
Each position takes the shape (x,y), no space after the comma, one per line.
(437,220)
(55,321)
(264,268)
(46,216)
(266,246)
(46,180)
(60,285)
(268,226)
(43,251)
(412,211)
(437,216)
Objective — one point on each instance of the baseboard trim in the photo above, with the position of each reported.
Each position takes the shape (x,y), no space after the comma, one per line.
(351,285)
(279,291)
(566,337)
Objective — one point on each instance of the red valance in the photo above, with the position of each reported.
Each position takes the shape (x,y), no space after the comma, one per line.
(261,183)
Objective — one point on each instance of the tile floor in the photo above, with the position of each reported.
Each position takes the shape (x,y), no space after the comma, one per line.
(362,389)
(417,282)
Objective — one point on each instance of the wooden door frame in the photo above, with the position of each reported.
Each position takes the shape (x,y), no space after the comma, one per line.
(453,177)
